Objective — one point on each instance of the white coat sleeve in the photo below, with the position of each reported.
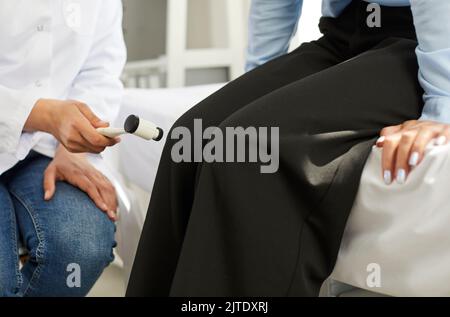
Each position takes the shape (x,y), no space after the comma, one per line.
(16,105)
(98,83)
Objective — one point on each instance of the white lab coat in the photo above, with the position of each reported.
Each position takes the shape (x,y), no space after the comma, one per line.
(59,49)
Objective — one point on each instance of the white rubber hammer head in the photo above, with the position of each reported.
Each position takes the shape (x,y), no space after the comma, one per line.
(143,128)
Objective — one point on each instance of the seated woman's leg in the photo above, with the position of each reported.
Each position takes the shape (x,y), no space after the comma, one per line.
(175,183)
(9,259)
(251,234)
(279,234)
(62,235)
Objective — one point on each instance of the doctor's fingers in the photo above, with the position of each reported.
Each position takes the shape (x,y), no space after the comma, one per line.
(106,190)
(77,144)
(94,140)
(86,185)
(49,182)
(90,116)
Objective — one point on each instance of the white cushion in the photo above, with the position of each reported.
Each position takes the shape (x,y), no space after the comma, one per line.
(403,229)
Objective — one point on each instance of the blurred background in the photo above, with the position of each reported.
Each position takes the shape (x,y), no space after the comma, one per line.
(179,52)
(174,43)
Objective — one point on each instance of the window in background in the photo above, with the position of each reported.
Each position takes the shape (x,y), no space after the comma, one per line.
(184,42)
(146,27)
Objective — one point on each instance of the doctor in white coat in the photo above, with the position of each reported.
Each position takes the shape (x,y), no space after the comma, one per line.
(60,62)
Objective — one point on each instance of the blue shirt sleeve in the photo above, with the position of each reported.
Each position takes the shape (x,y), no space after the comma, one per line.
(432,22)
(272,25)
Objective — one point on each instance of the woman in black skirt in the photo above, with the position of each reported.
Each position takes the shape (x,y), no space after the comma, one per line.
(226,229)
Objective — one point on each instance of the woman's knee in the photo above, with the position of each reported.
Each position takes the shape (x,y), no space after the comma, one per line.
(209,111)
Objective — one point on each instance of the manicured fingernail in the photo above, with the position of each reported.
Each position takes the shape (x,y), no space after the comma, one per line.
(387,176)
(414,159)
(381,139)
(104,207)
(401,176)
(441,140)
(47,195)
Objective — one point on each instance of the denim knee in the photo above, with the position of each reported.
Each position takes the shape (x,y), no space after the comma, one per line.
(91,248)
(84,241)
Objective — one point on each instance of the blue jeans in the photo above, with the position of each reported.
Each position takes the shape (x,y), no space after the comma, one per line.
(69,240)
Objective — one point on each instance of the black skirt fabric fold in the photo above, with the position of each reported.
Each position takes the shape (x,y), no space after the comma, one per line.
(225,229)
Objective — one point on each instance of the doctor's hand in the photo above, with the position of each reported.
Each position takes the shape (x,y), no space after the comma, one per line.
(77,171)
(404,146)
(72,123)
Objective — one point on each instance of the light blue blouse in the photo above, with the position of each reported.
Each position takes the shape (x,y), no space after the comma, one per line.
(273,23)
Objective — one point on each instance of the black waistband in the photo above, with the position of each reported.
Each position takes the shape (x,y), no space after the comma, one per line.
(355,25)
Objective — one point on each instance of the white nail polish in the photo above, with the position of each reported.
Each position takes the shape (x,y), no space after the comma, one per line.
(401,176)
(387,177)
(414,159)
(441,140)
(381,139)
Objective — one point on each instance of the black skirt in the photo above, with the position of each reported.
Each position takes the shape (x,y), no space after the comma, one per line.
(225,229)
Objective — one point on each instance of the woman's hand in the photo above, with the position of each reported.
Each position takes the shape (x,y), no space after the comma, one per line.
(77,171)
(404,146)
(72,123)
